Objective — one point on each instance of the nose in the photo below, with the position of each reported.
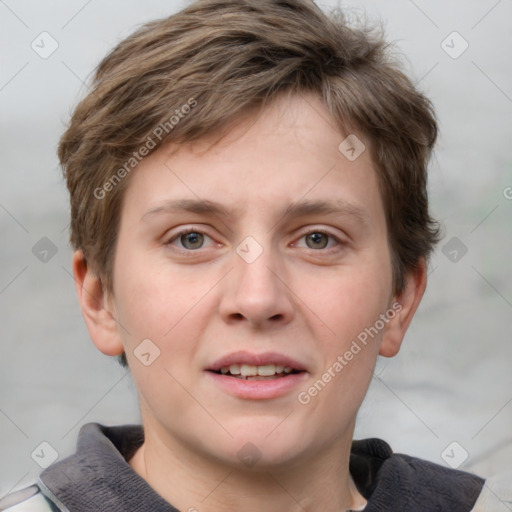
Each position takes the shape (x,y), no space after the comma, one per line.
(255,292)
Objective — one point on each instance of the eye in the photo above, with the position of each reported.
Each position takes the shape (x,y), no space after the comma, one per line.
(189,240)
(319,240)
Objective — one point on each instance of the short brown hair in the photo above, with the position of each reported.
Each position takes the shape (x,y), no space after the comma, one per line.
(207,65)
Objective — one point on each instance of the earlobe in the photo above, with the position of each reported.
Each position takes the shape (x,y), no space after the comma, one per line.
(100,321)
(405,306)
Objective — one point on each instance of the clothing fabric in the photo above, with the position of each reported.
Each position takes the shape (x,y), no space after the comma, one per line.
(97,478)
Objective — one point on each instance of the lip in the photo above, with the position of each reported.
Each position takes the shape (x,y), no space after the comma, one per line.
(257,389)
(243,357)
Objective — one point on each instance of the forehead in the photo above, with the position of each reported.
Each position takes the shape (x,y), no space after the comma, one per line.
(291,152)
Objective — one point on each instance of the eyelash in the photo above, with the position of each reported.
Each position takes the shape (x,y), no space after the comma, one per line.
(339,243)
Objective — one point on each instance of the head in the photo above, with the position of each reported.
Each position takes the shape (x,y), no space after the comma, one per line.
(254,105)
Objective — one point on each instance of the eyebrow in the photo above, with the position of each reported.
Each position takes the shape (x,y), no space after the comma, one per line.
(299,209)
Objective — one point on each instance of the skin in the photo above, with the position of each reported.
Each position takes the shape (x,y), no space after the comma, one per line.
(305,299)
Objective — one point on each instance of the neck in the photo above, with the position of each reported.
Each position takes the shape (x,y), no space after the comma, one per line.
(195,484)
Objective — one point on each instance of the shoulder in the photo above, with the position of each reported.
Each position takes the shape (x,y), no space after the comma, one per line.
(393,481)
(496,495)
(29,499)
(436,485)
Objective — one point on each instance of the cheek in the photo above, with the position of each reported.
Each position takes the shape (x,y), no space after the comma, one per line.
(348,309)
(154,302)
(165,307)
(347,300)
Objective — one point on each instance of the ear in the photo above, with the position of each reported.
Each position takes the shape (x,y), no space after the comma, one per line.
(405,306)
(97,309)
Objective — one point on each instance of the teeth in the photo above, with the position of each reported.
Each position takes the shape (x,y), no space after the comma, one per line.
(249,370)
(267,370)
(234,369)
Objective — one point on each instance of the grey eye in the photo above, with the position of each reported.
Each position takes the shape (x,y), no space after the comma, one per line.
(193,240)
(315,241)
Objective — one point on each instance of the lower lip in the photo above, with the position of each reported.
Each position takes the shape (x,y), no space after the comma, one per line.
(257,389)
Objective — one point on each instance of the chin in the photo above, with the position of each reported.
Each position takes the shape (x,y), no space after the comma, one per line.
(263,446)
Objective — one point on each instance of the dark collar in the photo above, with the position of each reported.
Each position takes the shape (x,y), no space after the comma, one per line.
(97,477)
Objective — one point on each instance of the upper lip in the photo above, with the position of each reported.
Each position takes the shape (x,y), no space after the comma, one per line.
(265,358)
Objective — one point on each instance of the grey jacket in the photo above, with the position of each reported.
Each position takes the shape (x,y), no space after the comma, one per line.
(390,482)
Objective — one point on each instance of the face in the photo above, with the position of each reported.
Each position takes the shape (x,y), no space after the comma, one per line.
(254,267)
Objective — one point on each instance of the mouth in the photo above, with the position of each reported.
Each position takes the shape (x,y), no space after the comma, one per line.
(257,376)
(253,372)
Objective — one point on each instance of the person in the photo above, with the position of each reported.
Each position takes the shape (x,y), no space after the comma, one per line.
(251,229)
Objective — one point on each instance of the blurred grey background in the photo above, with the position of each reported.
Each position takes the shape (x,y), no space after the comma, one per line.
(446,397)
